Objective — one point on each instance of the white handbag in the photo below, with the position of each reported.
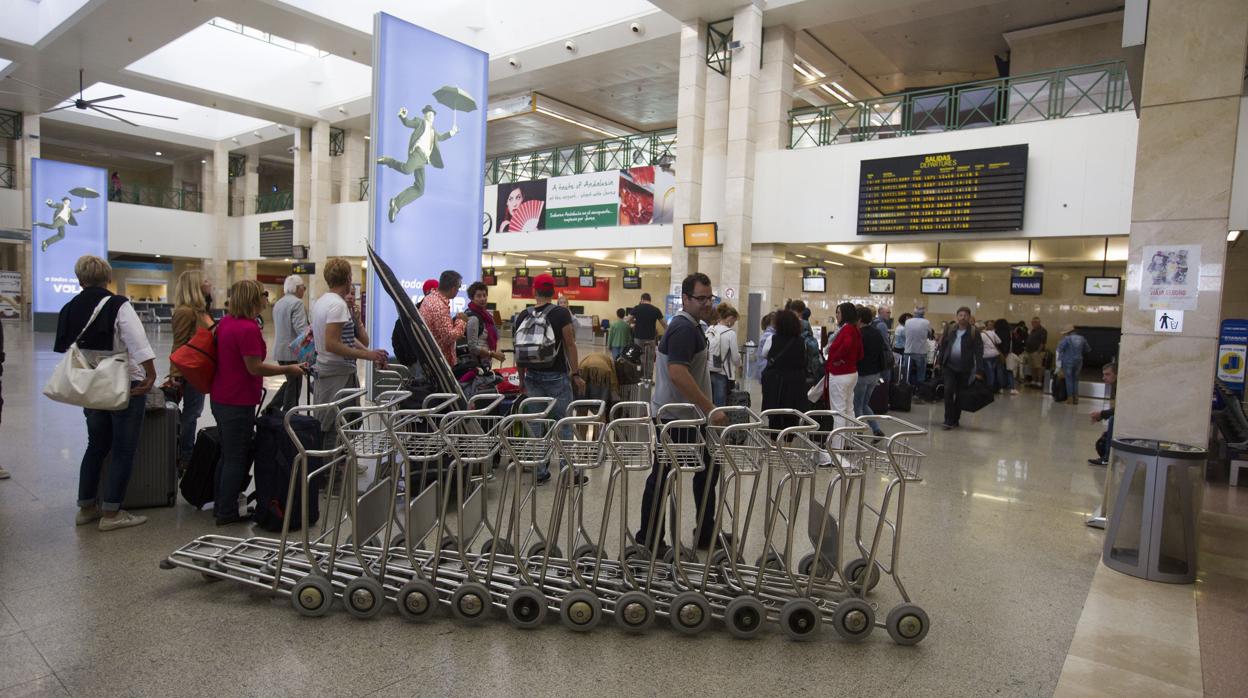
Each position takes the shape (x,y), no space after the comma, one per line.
(100,385)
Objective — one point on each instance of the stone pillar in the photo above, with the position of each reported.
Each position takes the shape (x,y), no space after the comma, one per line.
(775,89)
(354,155)
(319,212)
(690,115)
(714,159)
(27,150)
(208,191)
(737,222)
(766,277)
(1193,80)
(251,183)
(217,190)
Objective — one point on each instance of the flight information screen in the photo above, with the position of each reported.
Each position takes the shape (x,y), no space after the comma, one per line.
(964,190)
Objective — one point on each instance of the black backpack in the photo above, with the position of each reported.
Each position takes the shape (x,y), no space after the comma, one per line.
(274,466)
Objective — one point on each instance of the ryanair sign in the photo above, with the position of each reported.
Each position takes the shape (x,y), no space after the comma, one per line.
(1026,280)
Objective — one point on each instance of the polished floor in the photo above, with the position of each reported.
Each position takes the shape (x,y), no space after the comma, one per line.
(994,549)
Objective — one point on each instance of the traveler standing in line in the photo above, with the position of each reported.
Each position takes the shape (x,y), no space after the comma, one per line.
(870,367)
(192,298)
(899,337)
(724,357)
(784,372)
(435,309)
(1109,374)
(290,322)
(237,388)
(1070,352)
(883,323)
(884,320)
(1035,348)
(1018,343)
(480,331)
(646,321)
(340,340)
(558,377)
(117,328)
(844,353)
(682,376)
(960,356)
(1008,362)
(992,357)
(768,328)
(917,329)
(619,334)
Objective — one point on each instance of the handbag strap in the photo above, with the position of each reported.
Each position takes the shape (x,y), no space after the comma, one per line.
(99,306)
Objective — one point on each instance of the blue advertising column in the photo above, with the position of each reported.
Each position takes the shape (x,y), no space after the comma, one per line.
(1232,352)
(429,97)
(69,220)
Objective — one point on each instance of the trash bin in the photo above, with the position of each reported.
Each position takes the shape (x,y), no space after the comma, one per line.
(1153,492)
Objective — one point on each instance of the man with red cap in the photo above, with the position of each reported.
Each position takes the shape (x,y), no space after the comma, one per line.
(545,343)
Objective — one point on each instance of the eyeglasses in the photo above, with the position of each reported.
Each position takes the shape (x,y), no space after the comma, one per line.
(701,299)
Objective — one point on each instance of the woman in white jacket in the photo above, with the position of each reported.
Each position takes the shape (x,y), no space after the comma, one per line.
(721,341)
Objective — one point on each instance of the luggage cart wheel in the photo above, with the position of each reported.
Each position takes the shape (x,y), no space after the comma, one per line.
(771,561)
(854,570)
(417,599)
(580,610)
(634,612)
(449,542)
(504,547)
(470,602)
(854,619)
(587,550)
(800,619)
(686,555)
(312,596)
(807,566)
(745,616)
(363,597)
(526,607)
(690,613)
(538,549)
(636,552)
(907,624)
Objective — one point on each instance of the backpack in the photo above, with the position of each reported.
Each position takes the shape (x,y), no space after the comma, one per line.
(275,456)
(535,343)
(713,350)
(814,357)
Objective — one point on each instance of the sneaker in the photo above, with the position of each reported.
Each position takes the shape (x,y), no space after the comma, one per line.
(123,519)
(1013,391)
(1097,461)
(4,474)
(229,520)
(580,479)
(543,478)
(947,426)
(86,516)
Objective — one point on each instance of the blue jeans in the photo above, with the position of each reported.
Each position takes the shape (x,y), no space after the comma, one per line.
(719,389)
(188,421)
(235,427)
(116,432)
(862,398)
(1072,379)
(918,368)
(615,352)
(991,373)
(555,384)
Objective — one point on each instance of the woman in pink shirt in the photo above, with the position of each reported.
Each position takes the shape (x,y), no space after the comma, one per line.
(236,391)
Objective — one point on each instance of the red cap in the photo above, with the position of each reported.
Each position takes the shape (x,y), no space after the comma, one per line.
(430,285)
(544,283)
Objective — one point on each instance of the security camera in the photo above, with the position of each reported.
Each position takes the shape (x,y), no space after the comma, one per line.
(292,149)
(636,28)
(513,62)
(570,47)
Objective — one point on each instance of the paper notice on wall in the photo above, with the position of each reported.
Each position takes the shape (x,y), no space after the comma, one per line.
(1170,277)
(583,201)
(10,295)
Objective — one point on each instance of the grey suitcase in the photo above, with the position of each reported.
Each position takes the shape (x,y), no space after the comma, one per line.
(154,477)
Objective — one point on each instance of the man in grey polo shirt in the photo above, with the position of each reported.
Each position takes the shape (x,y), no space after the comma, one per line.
(290,321)
(682,376)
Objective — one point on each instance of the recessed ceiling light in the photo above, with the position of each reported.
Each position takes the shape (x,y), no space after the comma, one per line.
(158,153)
(368,138)
(203,162)
(157,256)
(1233,235)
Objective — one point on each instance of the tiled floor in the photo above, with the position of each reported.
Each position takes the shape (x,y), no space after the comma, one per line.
(994,548)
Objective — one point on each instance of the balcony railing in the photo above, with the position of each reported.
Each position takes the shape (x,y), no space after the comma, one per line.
(275,201)
(651,148)
(1057,94)
(363,188)
(161,197)
(8,176)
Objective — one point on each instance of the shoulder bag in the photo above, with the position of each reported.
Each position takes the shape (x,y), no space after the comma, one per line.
(100,385)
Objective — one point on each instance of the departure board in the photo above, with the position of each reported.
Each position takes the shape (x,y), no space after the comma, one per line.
(965,190)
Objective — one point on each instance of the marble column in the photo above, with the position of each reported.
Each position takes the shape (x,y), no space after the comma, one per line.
(736,225)
(251,184)
(766,277)
(27,150)
(775,89)
(351,167)
(1190,110)
(217,191)
(690,117)
(714,159)
(319,203)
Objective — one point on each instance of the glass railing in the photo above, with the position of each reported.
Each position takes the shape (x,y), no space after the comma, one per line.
(160,197)
(8,176)
(651,148)
(275,201)
(1100,88)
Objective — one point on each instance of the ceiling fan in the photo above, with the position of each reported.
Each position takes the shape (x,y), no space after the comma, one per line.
(85,104)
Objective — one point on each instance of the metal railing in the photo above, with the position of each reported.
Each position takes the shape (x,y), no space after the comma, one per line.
(160,197)
(1099,88)
(8,176)
(650,148)
(363,188)
(275,201)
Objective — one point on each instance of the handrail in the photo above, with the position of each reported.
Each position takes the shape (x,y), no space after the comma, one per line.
(275,201)
(1098,88)
(8,176)
(363,188)
(160,197)
(635,150)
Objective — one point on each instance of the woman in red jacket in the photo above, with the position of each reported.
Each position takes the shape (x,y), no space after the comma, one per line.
(844,352)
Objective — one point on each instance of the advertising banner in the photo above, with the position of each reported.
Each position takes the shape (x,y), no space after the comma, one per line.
(429,96)
(1232,352)
(636,196)
(647,195)
(600,291)
(10,294)
(70,220)
(582,201)
(1168,281)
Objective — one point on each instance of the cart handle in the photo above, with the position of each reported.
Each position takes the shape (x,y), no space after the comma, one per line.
(342,397)
(642,407)
(544,405)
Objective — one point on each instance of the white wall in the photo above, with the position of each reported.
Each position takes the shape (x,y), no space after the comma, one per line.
(349,235)
(1080,174)
(150,230)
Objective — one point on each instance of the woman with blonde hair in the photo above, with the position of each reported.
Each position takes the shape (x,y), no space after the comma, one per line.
(236,391)
(192,301)
(722,351)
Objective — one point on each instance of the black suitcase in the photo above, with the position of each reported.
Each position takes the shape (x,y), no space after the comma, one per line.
(275,456)
(738,398)
(154,476)
(899,397)
(878,400)
(1059,389)
(198,485)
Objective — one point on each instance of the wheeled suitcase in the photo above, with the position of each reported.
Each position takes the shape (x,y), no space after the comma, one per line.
(878,400)
(1059,389)
(899,397)
(198,486)
(154,476)
(739,398)
(275,455)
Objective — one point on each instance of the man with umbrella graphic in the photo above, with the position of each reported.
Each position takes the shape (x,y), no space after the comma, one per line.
(63,214)
(422,146)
